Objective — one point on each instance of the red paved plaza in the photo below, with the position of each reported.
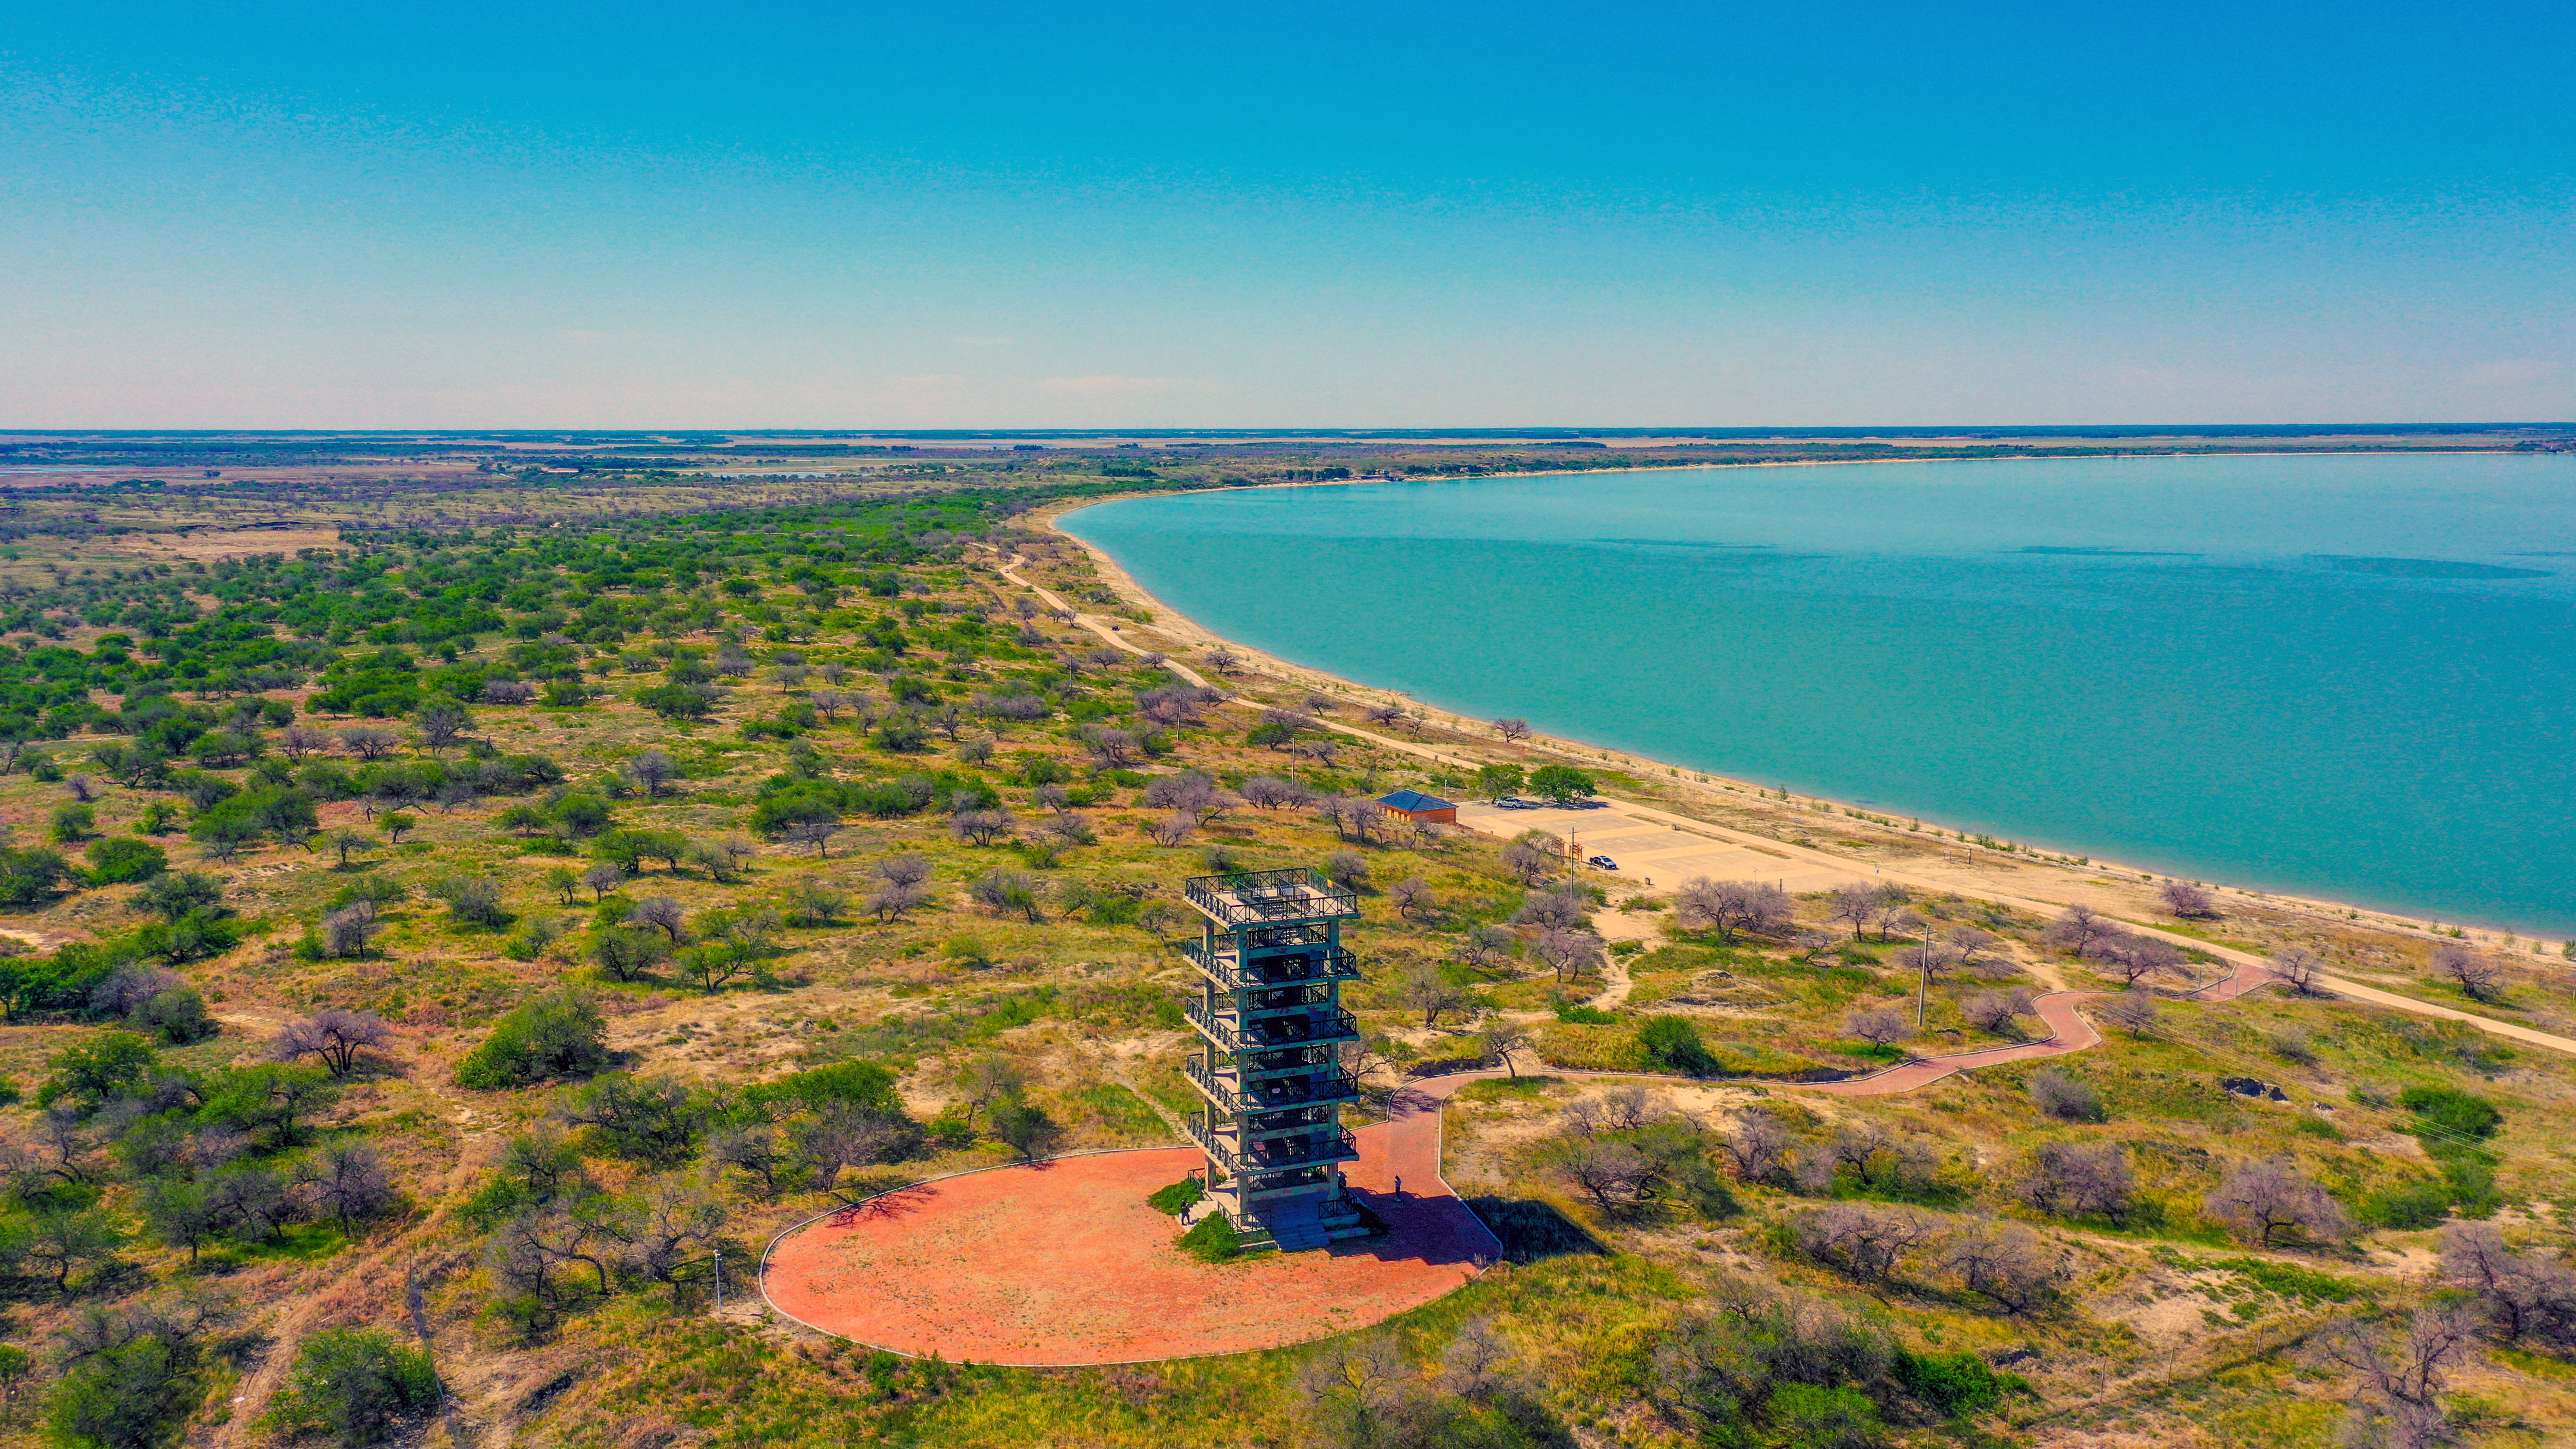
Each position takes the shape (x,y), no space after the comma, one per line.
(1063,1263)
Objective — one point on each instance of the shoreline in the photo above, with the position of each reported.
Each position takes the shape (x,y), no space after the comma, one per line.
(1716,787)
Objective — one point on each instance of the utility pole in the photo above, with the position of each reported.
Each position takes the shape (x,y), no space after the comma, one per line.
(1923,993)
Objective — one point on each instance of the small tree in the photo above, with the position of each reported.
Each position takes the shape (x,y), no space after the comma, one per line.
(442,723)
(2477,977)
(602,878)
(336,1036)
(1005,891)
(345,842)
(1560,784)
(396,825)
(1732,906)
(2078,929)
(1879,1026)
(471,899)
(652,770)
(2262,1202)
(1503,1042)
(2187,900)
(1495,782)
(1531,856)
(1999,1012)
(2132,1011)
(346,932)
(903,869)
(2007,1265)
(1025,1128)
(1423,990)
(350,1183)
(983,827)
(890,900)
(988,1079)
(1347,868)
(1411,894)
(1482,946)
(2080,1177)
(2401,1375)
(2298,967)
(663,914)
(1570,955)
(1513,731)
(558,1035)
(2066,1098)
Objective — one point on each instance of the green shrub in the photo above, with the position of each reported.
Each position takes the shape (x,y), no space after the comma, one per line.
(560,1034)
(1212,1239)
(119,859)
(136,1395)
(1178,1198)
(2420,1204)
(1812,1416)
(1954,1383)
(355,1385)
(179,1014)
(96,1071)
(1576,1014)
(2448,1109)
(858,1084)
(1671,1041)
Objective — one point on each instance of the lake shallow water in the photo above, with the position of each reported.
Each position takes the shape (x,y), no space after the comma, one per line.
(2340,676)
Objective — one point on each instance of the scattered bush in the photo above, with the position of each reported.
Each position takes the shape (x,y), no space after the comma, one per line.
(1212,1239)
(557,1035)
(355,1386)
(2066,1098)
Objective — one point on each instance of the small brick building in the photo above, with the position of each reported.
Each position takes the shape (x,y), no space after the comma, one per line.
(1414,805)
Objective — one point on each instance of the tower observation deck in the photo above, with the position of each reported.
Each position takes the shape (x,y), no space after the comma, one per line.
(1271,968)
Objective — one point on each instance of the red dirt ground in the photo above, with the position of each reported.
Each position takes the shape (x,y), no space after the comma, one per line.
(1063,1263)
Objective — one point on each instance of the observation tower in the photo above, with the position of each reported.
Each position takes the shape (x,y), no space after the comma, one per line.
(1270,1008)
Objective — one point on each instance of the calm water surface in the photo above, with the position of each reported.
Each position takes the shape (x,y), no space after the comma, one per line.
(2350,677)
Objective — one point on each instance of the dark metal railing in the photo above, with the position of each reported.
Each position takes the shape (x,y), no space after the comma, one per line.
(1231,974)
(1258,897)
(1229,1091)
(1221,1027)
(1289,1119)
(1289,1059)
(1321,1147)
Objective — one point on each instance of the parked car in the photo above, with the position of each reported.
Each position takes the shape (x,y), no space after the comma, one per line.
(1605,862)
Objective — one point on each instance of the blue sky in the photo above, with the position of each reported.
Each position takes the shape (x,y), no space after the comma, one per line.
(1137,215)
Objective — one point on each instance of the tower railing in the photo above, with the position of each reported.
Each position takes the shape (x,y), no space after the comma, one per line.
(1220,1027)
(1232,1094)
(1250,898)
(1231,974)
(1333,1146)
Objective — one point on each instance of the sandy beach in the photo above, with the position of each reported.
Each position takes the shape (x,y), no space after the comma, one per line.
(1933,854)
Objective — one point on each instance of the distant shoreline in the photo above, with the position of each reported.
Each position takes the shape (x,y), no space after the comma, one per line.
(1172,621)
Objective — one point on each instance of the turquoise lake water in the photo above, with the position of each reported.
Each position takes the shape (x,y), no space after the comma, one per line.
(2346,676)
